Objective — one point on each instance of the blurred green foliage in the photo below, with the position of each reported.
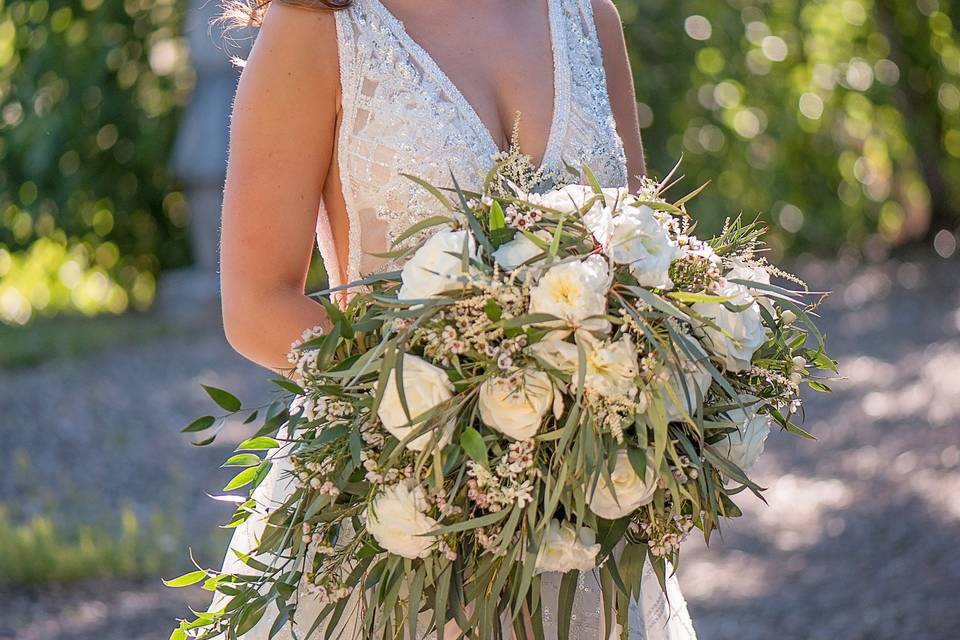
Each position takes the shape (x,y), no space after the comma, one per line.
(837,120)
(89,96)
(39,551)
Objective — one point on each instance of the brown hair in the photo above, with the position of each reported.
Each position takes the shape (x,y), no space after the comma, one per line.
(249,13)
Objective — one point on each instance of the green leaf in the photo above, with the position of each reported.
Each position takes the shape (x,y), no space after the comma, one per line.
(200,424)
(684,296)
(436,193)
(638,460)
(797,431)
(259,443)
(186,579)
(251,616)
(591,179)
(432,221)
(243,478)
(475,226)
(690,196)
(205,441)
(818,386)
(568,590)
(497,219)
(527,319)
(224,399)
(482,521)
(242,460)
(493,310)
(658,303)
(472,443)
(288,385)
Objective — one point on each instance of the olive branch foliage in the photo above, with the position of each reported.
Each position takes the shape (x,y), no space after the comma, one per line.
(488,574)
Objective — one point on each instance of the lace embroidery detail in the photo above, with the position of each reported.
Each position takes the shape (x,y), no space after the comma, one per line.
(402,114)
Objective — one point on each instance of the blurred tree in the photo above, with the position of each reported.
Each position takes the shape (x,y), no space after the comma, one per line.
(838,120)
(89,94)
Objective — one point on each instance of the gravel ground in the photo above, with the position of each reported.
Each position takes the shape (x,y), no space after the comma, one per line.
(858,540)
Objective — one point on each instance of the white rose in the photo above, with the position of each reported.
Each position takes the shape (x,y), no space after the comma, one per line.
(628,491)
(398,520)
(556,354)
(743,271)
(573,198)
(424,387)
(511,255)
(515,406)
(566,549)
(744,329)
(639,240)
(611,366)
(432,270)
(745,446)
(569,199)
(689,384)
(574,291)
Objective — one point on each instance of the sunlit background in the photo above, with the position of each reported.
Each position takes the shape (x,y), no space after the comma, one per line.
(836,121)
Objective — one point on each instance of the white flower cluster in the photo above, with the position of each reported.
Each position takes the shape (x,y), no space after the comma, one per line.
(304,361)
(466,327)
(509,483)
(664,538)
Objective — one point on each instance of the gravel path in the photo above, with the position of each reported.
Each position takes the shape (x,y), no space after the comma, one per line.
(858,541)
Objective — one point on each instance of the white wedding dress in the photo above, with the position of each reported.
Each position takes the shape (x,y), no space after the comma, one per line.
(402,114)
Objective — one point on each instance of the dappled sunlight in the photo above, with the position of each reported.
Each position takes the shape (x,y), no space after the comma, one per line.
(861,527)
(940,491)
(734,576)
(798,510)
(932,391)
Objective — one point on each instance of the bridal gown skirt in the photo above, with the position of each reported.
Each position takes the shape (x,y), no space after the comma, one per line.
(654,617)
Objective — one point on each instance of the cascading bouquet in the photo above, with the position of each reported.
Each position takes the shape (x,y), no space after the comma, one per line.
(554,382)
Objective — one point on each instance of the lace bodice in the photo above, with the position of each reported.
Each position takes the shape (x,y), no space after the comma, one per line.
(403,114)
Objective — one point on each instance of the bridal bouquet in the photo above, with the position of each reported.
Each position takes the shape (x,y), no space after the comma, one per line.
(556,381)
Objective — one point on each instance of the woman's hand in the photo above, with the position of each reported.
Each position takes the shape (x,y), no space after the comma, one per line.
(282,140)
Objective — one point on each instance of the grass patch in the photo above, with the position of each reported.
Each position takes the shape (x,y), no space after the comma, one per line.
(75,336)
(38,551)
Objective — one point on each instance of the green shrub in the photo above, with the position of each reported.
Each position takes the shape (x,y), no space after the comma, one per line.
(42,551)
(836,121)
(89,97)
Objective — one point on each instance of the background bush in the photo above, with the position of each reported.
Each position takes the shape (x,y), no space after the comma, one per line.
(837,120)
(89,97)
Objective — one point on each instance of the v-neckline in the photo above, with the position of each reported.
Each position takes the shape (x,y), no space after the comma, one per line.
(560,70)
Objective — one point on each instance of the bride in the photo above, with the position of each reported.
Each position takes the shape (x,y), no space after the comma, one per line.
(337,99)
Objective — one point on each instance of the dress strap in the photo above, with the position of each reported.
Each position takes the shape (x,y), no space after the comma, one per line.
(350,79)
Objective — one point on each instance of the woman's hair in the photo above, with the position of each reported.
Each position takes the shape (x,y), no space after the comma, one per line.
(249,13)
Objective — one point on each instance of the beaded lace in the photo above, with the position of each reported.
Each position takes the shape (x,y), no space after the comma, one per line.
(403,114)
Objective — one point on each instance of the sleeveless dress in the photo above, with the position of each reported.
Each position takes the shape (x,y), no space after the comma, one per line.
(402,114)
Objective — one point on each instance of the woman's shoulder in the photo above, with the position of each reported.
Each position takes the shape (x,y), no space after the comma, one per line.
(300,31)
(296,46)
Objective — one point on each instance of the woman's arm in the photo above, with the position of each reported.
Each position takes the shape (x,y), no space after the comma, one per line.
(623,99)
(282,136)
